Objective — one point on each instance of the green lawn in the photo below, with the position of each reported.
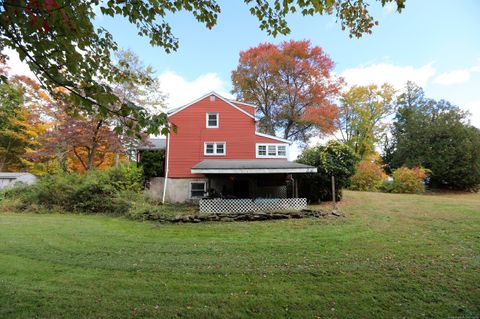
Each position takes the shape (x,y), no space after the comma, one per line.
(393,256)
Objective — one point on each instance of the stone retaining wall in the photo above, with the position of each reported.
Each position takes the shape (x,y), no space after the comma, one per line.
(257,216)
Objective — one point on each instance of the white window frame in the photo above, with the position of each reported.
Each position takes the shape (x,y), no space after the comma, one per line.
(198,182)
(258,149)
(278,147)
(218,119)
(276,150)
(215,149)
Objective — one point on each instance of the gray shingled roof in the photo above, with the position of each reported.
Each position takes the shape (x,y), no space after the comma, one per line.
(251,166)
(155,144)
(170,111)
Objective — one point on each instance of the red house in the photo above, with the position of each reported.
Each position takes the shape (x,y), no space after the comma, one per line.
(216,152)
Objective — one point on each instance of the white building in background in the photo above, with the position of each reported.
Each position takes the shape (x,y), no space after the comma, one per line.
(10,179)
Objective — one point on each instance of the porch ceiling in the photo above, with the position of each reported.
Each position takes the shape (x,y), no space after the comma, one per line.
(250,167)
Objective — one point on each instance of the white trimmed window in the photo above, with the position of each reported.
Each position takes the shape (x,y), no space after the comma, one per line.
(212,120)
(266,150)
(198,189)
(214,149)
(261,150)
(282,150)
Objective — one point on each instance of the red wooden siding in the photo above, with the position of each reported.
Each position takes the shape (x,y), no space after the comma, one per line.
(236,129)
(246,108)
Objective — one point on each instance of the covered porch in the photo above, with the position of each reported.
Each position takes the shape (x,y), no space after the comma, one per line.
(250,185)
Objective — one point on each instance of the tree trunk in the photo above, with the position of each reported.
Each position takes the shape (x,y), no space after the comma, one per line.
(91,156)
(79,158)
(62,160)
(267,125)
(286,132)
(4,161)
(93,150)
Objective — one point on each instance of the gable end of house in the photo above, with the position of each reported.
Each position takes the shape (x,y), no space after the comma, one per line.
(179,109)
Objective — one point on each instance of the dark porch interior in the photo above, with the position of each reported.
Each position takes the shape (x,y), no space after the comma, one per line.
(232,186)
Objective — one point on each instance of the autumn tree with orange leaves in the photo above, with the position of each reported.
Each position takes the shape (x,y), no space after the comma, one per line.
(84,140)
(51,33)
(22,119)
(293,86)
(79,142)
(39,136)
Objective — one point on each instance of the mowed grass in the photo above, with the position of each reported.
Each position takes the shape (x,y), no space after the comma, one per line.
(393,256)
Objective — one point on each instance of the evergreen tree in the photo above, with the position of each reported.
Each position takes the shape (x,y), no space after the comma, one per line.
(435,135)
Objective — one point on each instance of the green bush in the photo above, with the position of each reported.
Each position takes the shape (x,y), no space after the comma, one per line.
(117,191)
(335,159)
(407,180)
(15,198)
(93,192)
(126,177)
(152,163)
(369,176)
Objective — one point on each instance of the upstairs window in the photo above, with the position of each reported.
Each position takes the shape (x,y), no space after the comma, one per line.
(271,151)
(212,120)
(215,148)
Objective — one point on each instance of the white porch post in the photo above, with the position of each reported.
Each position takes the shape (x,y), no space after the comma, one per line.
(166,168)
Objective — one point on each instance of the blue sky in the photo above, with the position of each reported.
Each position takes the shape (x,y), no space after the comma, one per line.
(434,43)
(426,31)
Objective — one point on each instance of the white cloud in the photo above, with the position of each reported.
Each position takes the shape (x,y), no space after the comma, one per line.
(181,91)
(16,66)
(396,75)
(456,76)
(474,108)
(390,7)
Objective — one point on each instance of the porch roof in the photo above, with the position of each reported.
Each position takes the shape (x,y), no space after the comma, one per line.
(153,144)
(250,167)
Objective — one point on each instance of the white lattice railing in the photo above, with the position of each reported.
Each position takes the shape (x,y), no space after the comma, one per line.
(219,205)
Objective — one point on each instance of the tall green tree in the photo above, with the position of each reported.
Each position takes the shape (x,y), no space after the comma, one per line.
(437,136)
(9,101)
(17,134)
(334,159)
(61,45)
(138,86)
(137,83)
(363,114)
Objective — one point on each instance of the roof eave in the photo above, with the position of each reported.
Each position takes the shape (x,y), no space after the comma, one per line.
(253,170)
(247,104)
(179,109)
(150,148)
(274,137)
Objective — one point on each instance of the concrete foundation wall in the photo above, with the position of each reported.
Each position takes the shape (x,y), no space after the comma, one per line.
(178,190)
